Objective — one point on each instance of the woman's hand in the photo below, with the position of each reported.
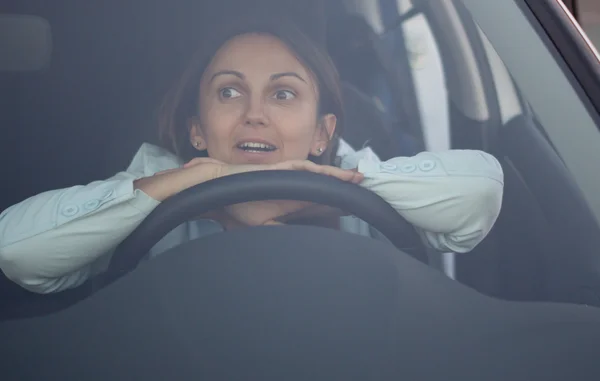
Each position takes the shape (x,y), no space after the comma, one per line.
(167,183)
(221,169)
(257,213)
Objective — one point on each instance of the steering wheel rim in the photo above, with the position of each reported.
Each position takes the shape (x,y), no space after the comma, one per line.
(262,186)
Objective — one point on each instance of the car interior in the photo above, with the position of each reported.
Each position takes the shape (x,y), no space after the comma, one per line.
(84,114)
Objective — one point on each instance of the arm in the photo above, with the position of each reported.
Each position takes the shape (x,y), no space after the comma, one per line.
(58,239)
(453,198)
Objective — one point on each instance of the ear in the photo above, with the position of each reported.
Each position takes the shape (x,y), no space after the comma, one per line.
(324,134)
(196,137)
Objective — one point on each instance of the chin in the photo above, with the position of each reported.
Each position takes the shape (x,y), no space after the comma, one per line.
(244,157)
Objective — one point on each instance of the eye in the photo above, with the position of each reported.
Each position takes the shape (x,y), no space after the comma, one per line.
(229,93)
(284,95)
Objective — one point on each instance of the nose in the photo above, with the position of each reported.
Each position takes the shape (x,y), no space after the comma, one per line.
(255,114)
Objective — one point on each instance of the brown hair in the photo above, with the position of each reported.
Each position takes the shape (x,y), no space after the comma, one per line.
(181,102)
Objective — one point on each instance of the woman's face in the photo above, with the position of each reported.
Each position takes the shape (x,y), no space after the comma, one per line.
(258,104)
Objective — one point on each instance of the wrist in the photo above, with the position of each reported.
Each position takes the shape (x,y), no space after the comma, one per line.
(159,187)
(165,184)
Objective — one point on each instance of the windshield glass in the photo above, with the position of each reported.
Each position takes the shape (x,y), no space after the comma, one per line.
(461,128)
(416,75)
(546,85)
(462,54)
(485,75)
(426,63)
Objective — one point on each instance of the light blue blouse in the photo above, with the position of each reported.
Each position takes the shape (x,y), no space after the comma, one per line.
(58,239)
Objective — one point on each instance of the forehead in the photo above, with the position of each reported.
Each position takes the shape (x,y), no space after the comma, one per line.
(256,53)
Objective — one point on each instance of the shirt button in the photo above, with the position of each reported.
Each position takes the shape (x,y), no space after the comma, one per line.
(408,168)
(91,205)
(70,210)
(389,166)
(427,165)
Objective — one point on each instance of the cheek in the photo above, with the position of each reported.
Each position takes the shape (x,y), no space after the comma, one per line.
(218,123)
(296,127)
(296,131)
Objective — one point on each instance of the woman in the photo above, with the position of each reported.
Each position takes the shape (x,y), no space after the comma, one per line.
(257,98)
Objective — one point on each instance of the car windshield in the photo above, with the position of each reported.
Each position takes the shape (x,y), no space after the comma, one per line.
(486,75)
(82,85)
(416,75)
(561,108)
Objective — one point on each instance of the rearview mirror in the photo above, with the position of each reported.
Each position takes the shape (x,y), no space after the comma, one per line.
(25,43)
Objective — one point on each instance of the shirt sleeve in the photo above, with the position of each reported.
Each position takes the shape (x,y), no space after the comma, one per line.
(453,198)
(58,239)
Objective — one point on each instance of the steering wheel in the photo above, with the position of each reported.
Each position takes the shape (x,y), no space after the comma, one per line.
(261,186)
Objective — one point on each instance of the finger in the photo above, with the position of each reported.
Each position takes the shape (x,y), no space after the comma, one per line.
(191,163)
(354,176)
(358,178)
(339,173)
(201,160)
(342,174)
(166,171)
(196,161)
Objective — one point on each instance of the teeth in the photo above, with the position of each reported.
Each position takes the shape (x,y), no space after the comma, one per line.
(252,145)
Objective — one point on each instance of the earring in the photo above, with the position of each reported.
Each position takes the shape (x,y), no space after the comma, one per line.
(196,144)
(320,150)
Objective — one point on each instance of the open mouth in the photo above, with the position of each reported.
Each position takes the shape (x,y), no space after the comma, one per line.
(256,147)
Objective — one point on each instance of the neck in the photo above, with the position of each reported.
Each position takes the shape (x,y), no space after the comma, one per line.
(230,223)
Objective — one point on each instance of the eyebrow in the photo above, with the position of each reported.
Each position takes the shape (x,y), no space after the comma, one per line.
(227,72)
(274,77)
(287,74)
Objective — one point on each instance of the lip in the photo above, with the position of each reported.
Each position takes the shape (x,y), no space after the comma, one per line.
(248,157)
